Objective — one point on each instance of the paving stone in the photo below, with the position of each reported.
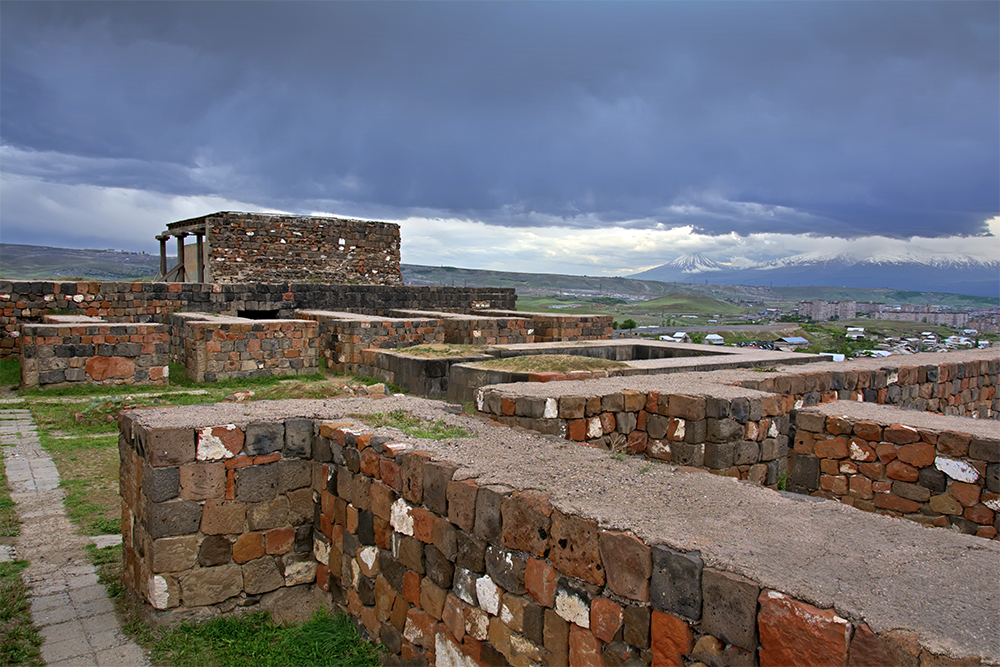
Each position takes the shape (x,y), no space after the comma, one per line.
(676,582)
(729,608)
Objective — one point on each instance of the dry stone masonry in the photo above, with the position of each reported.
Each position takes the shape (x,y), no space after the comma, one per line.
(472,551)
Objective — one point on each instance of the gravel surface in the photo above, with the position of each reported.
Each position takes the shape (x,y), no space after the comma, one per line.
(890,572)
(694,384)
(886,414)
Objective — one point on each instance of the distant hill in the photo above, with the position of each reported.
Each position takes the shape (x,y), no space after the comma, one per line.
(33,262)
(912,272)
(26,262)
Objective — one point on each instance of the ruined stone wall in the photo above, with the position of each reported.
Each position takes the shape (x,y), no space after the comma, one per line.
(934,476)
(221,348)
(23,302)
(549,328)
(462,329)
(256,248)
(94,353)
(442,568)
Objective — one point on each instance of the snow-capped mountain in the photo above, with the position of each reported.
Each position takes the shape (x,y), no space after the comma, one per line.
(912,270)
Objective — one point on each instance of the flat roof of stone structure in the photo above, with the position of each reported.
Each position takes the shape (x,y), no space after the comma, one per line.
(343,315)
(889,572)
(887,414)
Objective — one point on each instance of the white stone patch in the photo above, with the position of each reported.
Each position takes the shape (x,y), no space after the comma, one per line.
(210,447)
(659,449)
(488,594)
(302,572)
(751,431)
(476,333)
(892,377)
(368,556)
(400,518)
(680,429)
(551,409)
(166,371)
(506,615)
(993,504)
(48,297)
(447,653)
(477,624)
(772,432)
(799,403)
(78,298)
(857,453)
(355,573)
(480,399)
(528,332)
(960,471)
(573,609)
(594,427)
(858,396)
(159,592)
(321,551)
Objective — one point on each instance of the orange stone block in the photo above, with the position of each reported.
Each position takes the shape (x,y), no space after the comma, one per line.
(584,648)
(605,619)
(796,633)
(671,639)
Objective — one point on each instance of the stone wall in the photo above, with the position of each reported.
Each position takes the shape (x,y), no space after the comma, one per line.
(549,327)
(925,472)
(257,248)
(480,329)
(24,302)
(344,336)
(446,567)
(216,348)
(92,352)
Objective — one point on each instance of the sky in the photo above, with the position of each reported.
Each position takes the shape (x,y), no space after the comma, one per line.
(566,137)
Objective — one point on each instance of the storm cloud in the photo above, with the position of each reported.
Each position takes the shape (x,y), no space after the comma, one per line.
(831,119)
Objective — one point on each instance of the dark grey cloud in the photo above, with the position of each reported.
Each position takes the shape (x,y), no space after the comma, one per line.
(834,118)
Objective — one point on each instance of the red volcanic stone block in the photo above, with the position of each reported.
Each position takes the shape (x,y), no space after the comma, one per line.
(919,455)
(967,494)
(607,422)
(838,425)
(279,540)
(867,648)
(796,633)
(574,549)
(248,547)
(577,430)
(390,474)
(106,368)
(860,450)
(584,648)
(860,486)
(605,618)
(899,434)
(526,519)
(541,580)
(885,451)
(201,481)
(628,565)
(980,514)
(686,407)
(506,406)
(951,443)
(887,501)
(671,639)
(462,503)
(831,449)
(901,471)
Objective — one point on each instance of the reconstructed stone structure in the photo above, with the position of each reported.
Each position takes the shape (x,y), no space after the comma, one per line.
(512,547)
(233,247)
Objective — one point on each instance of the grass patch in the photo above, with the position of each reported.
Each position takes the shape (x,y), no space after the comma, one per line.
(88,469)
(9,524)
(254,639)
(557,363)
(299,389)
(19,638)
(440,350)
(410,425)
(108,562)
(10,371)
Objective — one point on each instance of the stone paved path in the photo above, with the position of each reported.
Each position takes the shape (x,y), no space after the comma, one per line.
(69,606)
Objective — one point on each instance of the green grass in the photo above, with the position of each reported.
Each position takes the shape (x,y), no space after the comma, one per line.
(418,428)
(557,363)
(10,371)
(687,304)
(9,525)
(254,639)
(439,350)
(88,469)
(19,638)
(108,562)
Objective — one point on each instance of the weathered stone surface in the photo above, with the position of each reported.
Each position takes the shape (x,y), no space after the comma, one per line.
(556,639)
(575,549)
(868,649)
(946,504)
(918,455)
(628,565)
(540,581)
(834,448)
(223,517)
(439,569)
(173,554)
(161,484)
(584,648)
(605,618)
(219,442)
(293,474)
(676,585)
(729,608)
(201,481)
(262,575)
(637,622)
(299,571)
(256,484)
(250,546)
(471,553)
(462,503)
(264,438)
(572,603)
(210,585)
(269,514)
(985,450)
(898,434)
(489,518)
(411,474)
(106,368)
(526,520)
(951,443)
(796,633)
(215,550)
(672,639)
(298,437)
(178,517)
(168,446)
(437,475)
(506,567)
